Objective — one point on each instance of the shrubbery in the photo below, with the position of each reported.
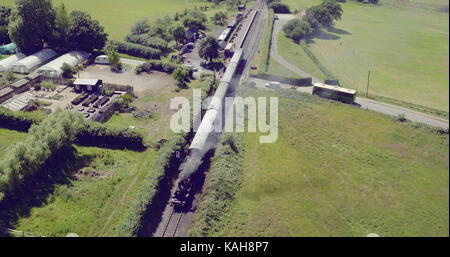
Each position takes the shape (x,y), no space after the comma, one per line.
(148,41)
(101,135)
(136,49)
(165,161)
(20,121)
(89,133)
(26,159)
(223,181)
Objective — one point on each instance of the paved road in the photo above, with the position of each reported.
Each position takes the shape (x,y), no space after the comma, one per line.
(277,26)
(376,106)
(362,102)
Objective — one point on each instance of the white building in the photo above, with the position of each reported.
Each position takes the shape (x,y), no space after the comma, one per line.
(7,63)
(101,59)
(53,68)
(28,64)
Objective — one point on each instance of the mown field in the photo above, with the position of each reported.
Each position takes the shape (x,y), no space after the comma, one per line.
(117,16)
(337,170)
(403,43)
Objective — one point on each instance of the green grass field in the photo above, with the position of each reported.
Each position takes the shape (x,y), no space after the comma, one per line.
(92,205)
(117,16)
(337,170)
(404,44)
(9,137)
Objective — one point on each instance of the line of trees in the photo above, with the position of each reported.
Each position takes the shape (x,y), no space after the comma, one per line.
(25,159)
(35,24)
(317,17)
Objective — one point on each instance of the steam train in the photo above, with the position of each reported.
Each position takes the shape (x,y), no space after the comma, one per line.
(198,145)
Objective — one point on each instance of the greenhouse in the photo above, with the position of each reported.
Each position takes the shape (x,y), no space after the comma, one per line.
(53,68)
(8,49)
(28,64)
(7,63)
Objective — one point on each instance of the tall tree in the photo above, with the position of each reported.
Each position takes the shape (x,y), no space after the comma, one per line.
(195,19)
(32,24)
(5,12)
(209,48)
(62,27)
(178,33)
(85,33)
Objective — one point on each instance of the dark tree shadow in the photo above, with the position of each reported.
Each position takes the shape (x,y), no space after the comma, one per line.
(326,36)
(338,31)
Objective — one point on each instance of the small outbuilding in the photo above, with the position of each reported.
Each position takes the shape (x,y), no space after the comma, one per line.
(7,63)
(5,94)
(53,69)
(88,85)
(28,64)
(101,59)
(20,86)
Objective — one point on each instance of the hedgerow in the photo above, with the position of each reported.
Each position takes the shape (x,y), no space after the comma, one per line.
(20,121)
(148,41)
(90,133)
(165,161)
(25,160)
(136,49)
(101,135)
(223,181)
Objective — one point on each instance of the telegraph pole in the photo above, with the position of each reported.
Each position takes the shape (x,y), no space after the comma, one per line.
(368,81)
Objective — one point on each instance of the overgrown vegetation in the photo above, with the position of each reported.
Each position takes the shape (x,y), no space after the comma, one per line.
(222,182)
(26,159)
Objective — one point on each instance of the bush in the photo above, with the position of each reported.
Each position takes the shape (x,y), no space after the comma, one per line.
(96,134)
(67,70)
(156,177)
(148,41)
(222,183)
(26,159)
(280,8)
(136,50)
(20,121)
(297,29)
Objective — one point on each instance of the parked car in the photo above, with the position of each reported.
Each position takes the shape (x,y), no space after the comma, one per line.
(91,110)
(87,115)
(276,17)
(273,84)
(81,109)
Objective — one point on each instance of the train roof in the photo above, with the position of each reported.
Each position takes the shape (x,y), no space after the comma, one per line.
(335,88)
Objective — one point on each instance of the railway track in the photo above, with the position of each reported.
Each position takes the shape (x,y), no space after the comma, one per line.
(170,228)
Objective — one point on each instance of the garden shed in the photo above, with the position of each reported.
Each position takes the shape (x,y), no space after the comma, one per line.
(7,63)
(28,64)
(53,68)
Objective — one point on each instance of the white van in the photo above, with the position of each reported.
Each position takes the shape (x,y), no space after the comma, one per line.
(101,59)
(273,84)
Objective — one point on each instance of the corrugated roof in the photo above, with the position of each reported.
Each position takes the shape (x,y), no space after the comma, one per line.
(19,83)
(91,82)
(5,91)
